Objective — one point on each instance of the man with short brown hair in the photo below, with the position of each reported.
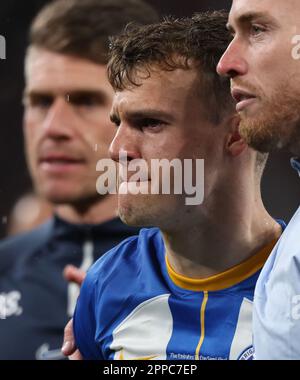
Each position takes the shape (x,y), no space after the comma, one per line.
(183,290)
(67,131)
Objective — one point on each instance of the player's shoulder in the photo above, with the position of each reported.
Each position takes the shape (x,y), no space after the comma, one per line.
(287,249)
(113,282)
(127,256)
(292,230)
(285,257)
(15,247)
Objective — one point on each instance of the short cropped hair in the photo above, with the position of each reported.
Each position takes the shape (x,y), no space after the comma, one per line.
(185,43)
(82,28)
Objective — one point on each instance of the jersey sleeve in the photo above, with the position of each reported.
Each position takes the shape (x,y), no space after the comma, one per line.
(98,304)
(84,321)
(276,316)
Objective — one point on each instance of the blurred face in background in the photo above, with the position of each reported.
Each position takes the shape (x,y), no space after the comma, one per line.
(263,61)
(66,124)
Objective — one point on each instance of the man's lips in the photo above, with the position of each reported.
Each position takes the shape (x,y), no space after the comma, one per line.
(59,162)
(130,182)
(242,98)
(134,187)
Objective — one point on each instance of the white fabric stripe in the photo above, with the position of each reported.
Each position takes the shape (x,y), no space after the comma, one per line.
(243,334)
(73,289)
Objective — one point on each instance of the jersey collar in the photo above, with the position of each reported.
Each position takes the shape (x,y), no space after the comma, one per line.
(226,279)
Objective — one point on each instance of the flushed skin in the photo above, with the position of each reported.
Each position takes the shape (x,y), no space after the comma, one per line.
(265,76)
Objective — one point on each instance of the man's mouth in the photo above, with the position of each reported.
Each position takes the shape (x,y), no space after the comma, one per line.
(134,185)
(59,163)
(242,98)
(137,182)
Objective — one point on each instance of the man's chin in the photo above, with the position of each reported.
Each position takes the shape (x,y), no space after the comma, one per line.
(134,216)
(260,136)
(275,125)
(61,199)
(64,197)
(133,220)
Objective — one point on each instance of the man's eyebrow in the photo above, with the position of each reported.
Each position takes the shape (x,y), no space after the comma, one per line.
(72,93)
(33,93)
(149,113)
(146,113)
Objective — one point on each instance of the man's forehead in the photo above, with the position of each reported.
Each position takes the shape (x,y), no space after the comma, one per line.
(242,9)
(130,105)
(165,83)
(127,102)
(277,9)
(161,92)
(43,66)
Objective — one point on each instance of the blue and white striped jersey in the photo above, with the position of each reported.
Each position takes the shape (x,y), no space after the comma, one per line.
(132,305)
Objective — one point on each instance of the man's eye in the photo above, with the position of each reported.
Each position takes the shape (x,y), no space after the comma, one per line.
(85,100)
(257,30)
(39,101)
(149,123)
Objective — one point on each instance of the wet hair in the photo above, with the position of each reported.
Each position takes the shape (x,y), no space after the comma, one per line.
(185,43)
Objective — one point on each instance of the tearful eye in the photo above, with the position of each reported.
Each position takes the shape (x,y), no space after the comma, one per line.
(150,124)
(257,29)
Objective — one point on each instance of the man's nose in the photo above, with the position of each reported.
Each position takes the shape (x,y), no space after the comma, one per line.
(233,62)
(125,144)
(59,121)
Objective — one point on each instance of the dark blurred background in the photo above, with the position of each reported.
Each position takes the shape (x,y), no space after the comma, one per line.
(281,188)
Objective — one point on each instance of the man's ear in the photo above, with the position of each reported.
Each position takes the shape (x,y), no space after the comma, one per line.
(234,144)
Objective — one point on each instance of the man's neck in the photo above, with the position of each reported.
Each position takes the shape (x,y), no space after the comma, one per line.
(220,242)
(93,212)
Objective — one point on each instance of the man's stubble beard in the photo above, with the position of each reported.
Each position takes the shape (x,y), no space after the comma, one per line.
(82,198)
(278,127)
(134,212)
